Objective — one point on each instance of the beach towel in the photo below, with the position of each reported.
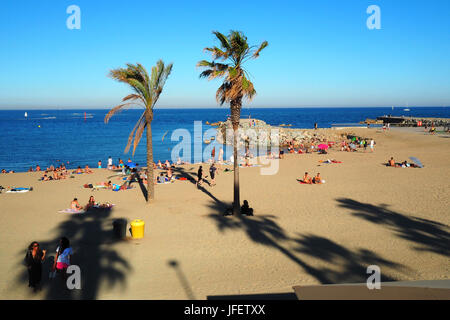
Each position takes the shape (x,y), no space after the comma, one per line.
(71,211)
(98,206)
(19,190)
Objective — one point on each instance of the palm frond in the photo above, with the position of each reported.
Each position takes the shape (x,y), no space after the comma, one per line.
(130,137)
(223,40)
(261,47)
(116,109)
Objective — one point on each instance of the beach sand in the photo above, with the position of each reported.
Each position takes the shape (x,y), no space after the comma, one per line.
(365,214)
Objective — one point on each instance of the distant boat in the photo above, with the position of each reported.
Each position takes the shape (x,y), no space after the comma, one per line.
(406,109)
(392,107)
(26,115)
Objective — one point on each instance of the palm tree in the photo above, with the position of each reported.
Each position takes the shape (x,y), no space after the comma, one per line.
(147,91)
(234,51)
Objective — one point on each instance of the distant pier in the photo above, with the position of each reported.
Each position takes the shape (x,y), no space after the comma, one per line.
(414,121)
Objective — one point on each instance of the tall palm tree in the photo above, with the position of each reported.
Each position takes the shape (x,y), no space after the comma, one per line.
(234,51)
(147,91)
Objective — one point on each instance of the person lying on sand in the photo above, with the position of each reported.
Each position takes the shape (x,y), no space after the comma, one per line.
(75,205)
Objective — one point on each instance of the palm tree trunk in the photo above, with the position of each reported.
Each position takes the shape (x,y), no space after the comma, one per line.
(235,106)
(236,202)
(150,184)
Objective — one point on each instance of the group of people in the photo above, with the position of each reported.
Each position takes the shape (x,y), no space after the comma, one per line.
(75,205)
(35,256)
(312,180)
(404,164)
(212,174)
(357,142)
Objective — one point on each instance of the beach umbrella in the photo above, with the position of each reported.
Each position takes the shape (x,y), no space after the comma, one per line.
(322,146)
(416,161)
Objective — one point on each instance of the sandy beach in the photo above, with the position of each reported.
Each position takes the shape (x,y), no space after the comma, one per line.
(365,214)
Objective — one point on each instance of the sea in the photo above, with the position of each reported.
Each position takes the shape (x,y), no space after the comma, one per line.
(81,137)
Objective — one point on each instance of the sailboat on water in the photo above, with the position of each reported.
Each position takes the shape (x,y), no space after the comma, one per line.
(26,114)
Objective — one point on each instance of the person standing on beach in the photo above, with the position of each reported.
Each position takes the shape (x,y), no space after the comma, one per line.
(213,154)
(99,164)
(110,163)
(212,173)
(199,176)
(33,261)
(372,144)
(221,155)
(63,258)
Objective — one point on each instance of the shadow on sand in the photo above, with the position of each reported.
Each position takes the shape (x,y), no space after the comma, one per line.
(92,240)
(425,234)
(345,265)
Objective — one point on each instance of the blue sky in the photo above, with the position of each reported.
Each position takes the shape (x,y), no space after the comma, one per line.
(320,53)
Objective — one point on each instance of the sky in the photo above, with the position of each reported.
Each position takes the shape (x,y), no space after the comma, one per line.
(320,54)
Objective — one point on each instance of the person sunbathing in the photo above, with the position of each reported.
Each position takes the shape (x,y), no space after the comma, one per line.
(55,175)
(317,179)
(75,205)
(90,203)
(170,174)
(391,163)
(159,164)
(307,179)
(87,169)
(162,178)
(79,170)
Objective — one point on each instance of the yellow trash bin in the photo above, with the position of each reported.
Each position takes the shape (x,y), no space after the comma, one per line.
(137,228)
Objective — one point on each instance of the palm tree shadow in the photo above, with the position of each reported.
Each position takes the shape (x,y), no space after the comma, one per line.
(348,266)
(92,240)
(425,234)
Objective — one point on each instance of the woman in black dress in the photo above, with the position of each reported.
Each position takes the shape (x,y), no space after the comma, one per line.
(33,260)
(199,176)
